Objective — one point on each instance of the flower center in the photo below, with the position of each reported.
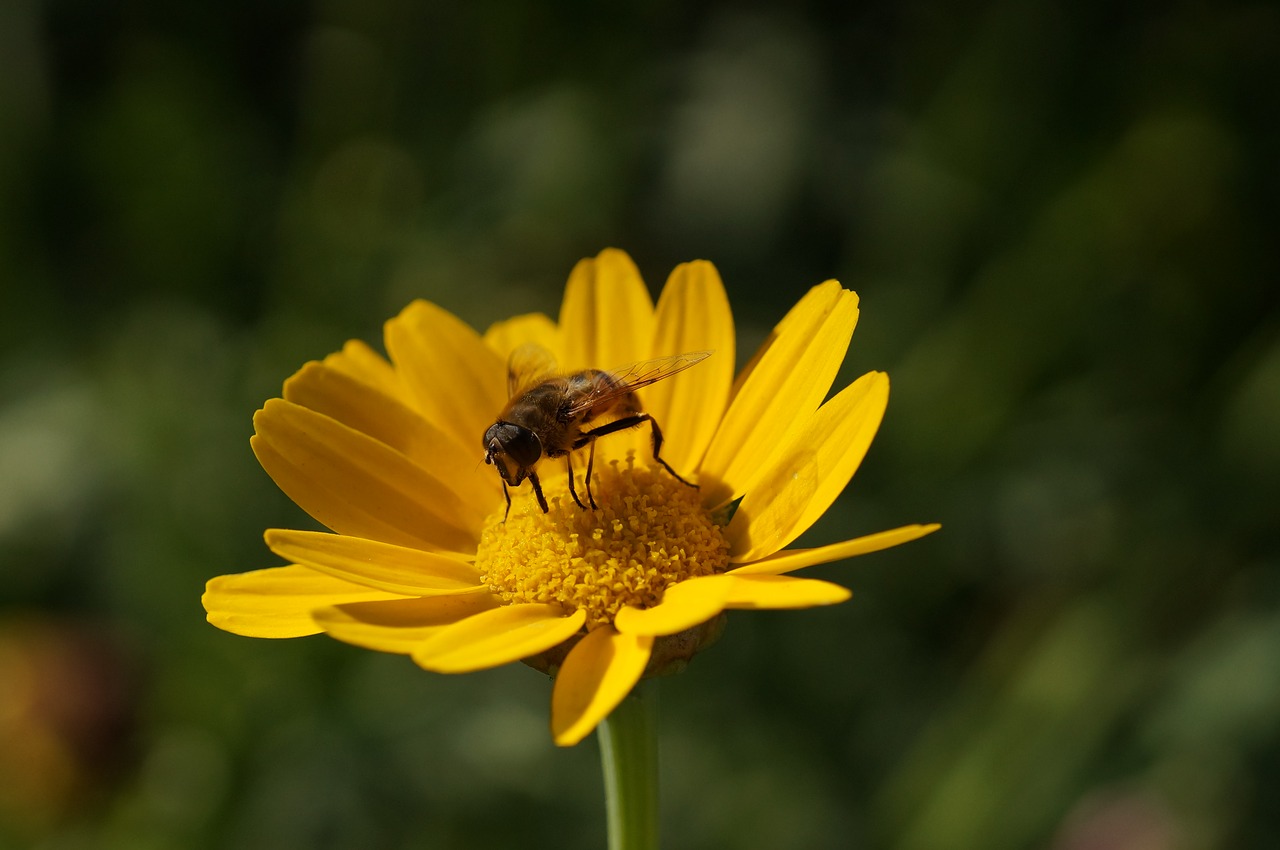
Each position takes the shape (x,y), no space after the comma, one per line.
(649,532)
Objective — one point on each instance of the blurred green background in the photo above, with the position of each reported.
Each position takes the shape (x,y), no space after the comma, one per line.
(1062,222)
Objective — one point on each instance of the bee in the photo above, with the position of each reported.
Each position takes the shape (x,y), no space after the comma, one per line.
(550,415)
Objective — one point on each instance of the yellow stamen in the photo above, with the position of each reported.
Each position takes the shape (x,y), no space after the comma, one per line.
(649,532)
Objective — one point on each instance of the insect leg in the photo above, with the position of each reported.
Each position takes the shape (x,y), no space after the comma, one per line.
(568,460)
(591,462)
(631,422)
(611,428)
(507,494)
(537,491)
(657,444)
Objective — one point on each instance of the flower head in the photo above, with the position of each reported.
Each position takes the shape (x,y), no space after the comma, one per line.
(425,558)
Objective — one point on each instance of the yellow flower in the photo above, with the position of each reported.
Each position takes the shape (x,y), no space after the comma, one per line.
(387,453)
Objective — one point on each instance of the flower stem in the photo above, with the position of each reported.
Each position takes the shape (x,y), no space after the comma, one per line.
(629,755)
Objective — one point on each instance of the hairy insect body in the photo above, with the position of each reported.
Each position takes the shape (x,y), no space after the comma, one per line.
(548,410)
(553,417)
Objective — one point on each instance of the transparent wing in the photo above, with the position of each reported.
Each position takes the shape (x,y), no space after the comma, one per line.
(614,383)
(528,365)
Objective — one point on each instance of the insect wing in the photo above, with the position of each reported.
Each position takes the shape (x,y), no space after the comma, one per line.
(527,366)
(618,382)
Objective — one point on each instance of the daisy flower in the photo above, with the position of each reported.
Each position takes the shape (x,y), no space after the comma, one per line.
(425,560)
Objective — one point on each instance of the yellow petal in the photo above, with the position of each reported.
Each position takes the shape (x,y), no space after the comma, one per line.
(783,388)
(457,382)
(361,362)
(606,320)
(506,336)
(397,569)
(278,602)
(762,592)
(497,637)
(359,486)
(801,482)
(683,606)
(401,625)
(795,559)
(693,315)
(319,387)
(353,402)
(598,674)
(818,298)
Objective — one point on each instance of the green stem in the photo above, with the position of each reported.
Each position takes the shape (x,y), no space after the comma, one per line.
(629,755)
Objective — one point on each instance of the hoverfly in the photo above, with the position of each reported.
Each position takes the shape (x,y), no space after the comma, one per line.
(548,415)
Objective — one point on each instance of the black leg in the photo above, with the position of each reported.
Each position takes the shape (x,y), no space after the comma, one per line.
(657,444)
(591,462)
(507,494)
(568,460)
(611,428)
(537,491)
(622,425)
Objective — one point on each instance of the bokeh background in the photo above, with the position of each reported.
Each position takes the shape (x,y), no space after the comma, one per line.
(1061,218)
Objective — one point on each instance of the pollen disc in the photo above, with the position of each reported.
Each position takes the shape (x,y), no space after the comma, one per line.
(649,533)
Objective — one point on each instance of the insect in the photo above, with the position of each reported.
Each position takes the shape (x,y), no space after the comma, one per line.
(548,415)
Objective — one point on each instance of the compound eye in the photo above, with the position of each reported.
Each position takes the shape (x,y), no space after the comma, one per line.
(492,440)
(523,446)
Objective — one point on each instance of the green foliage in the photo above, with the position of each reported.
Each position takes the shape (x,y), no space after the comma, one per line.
(1060,220)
